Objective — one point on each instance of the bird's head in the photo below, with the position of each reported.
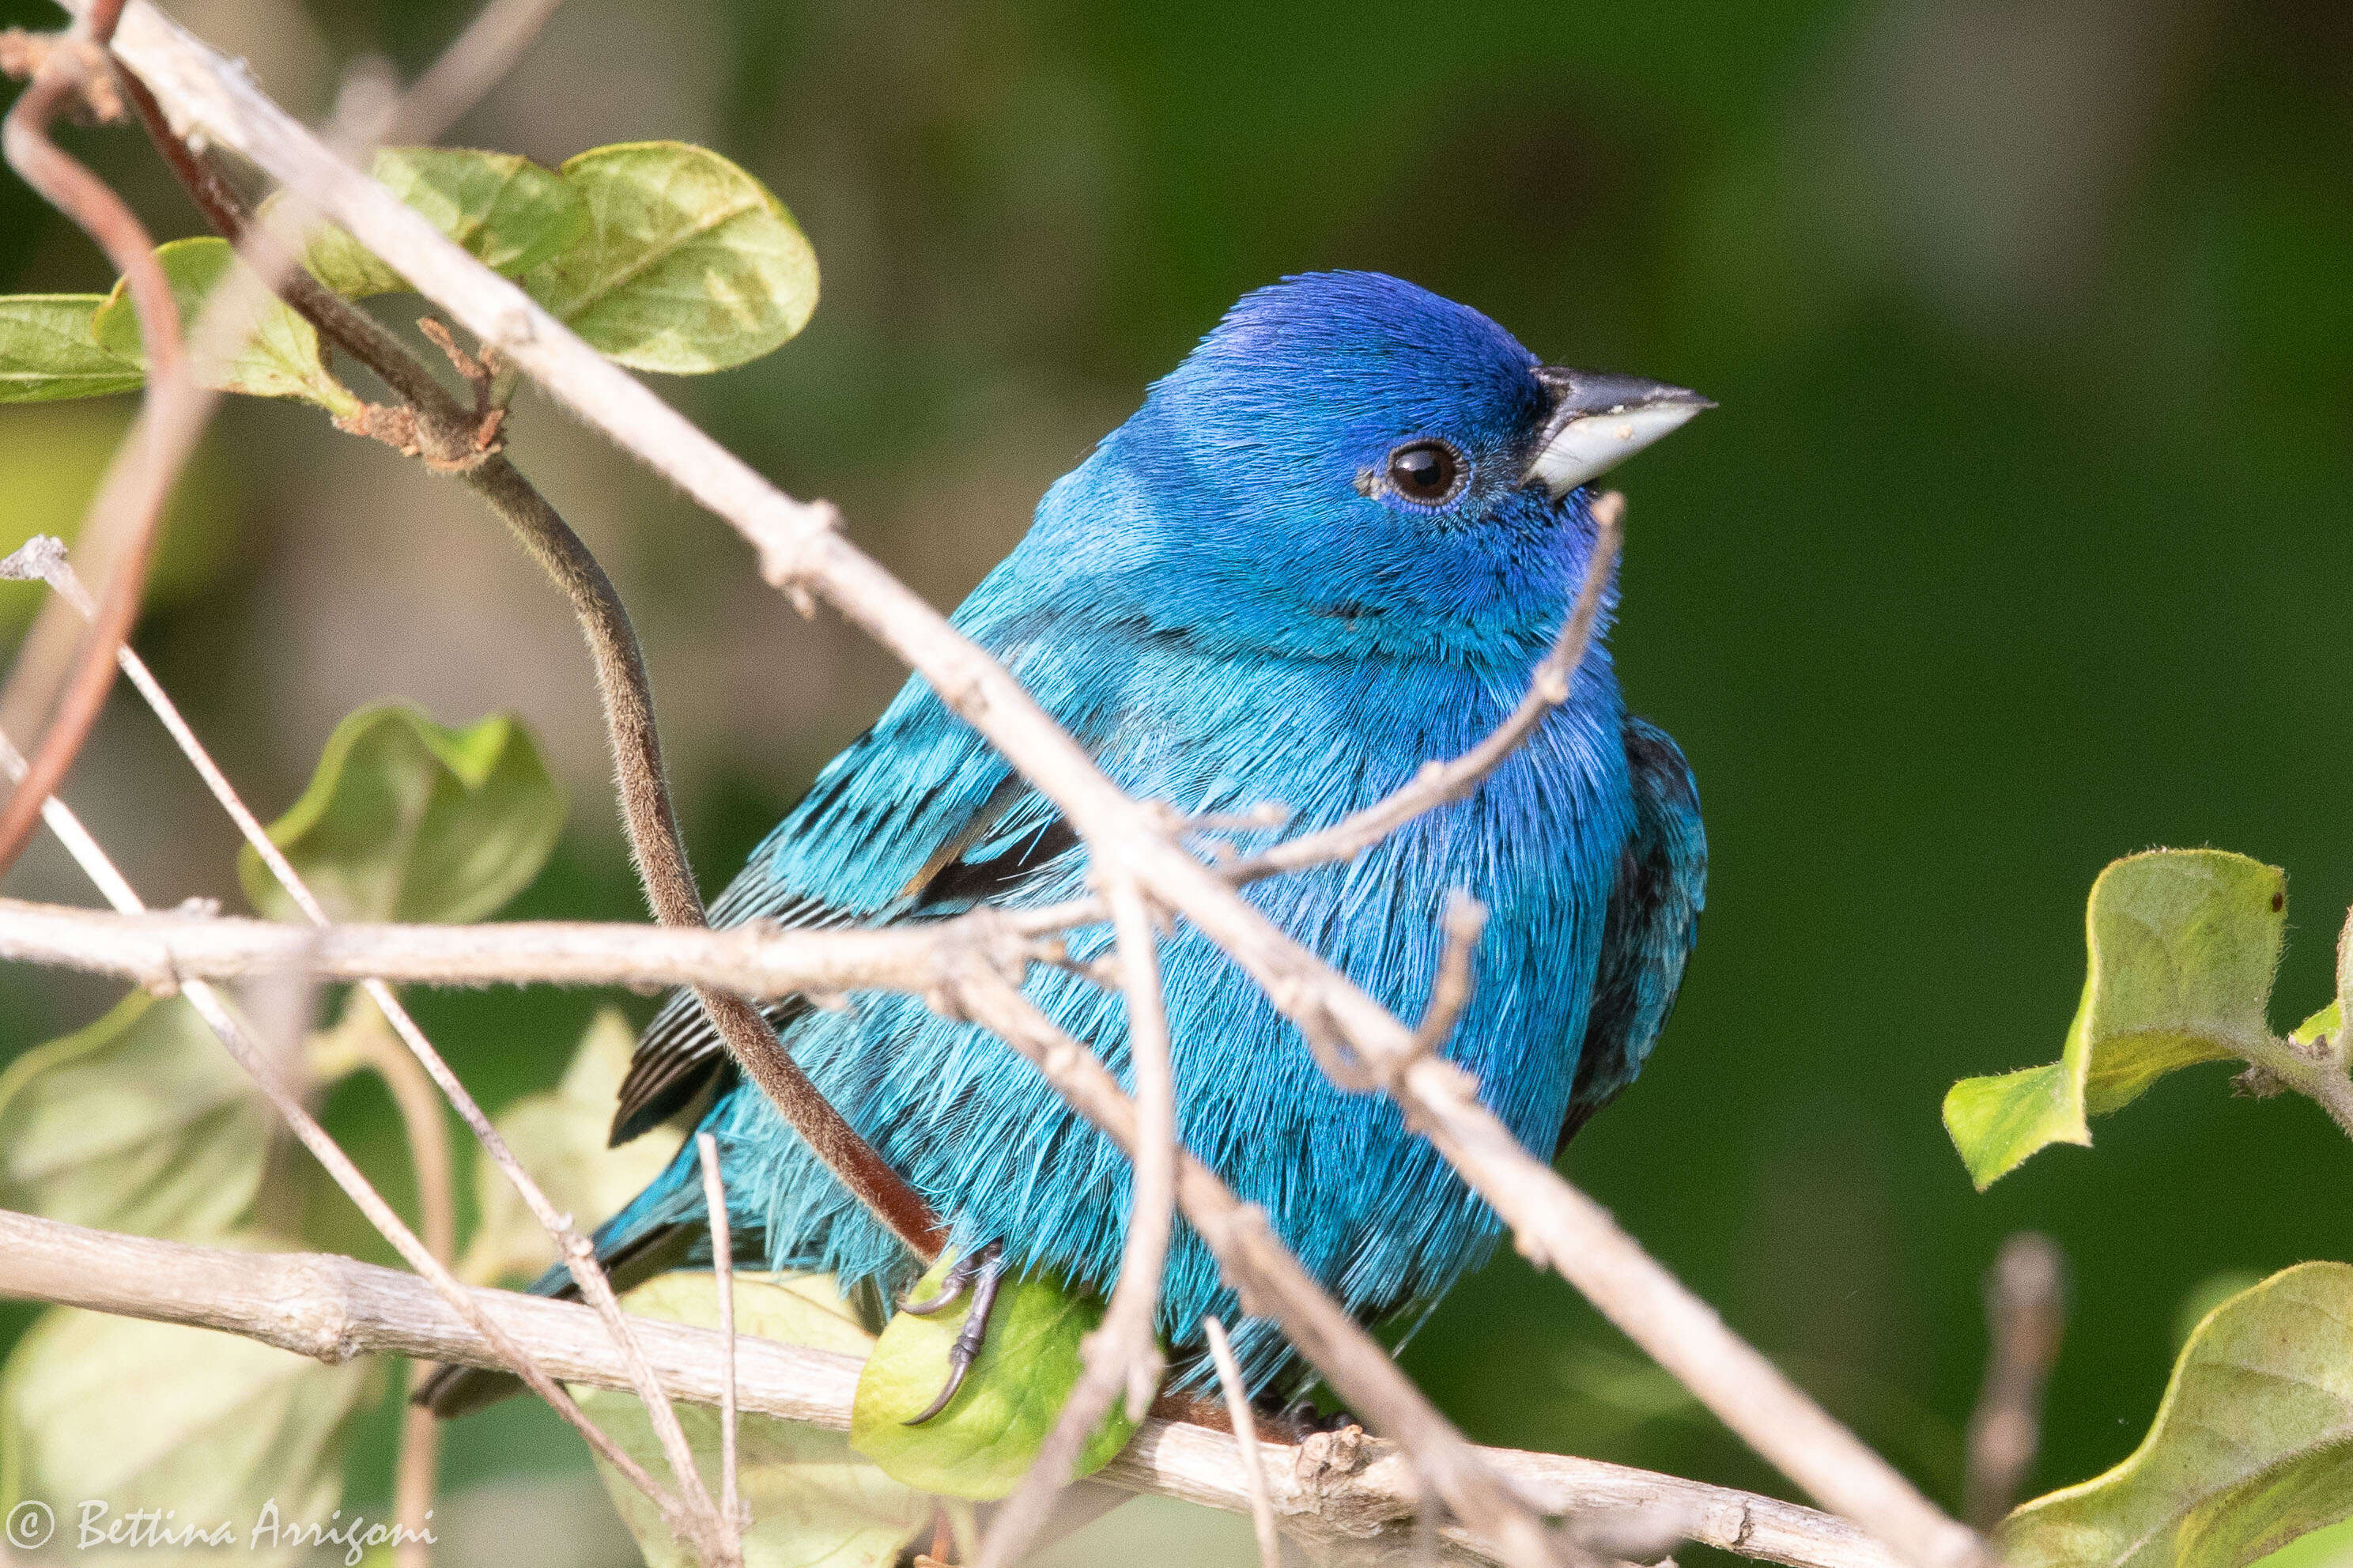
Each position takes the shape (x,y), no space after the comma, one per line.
(1351,463)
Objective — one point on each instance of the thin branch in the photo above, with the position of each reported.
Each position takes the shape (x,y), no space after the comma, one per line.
(2317,1071)
(2026,1317)
(158,949)
(1237,1411)
(1359,1492)
(723,1276)
(417,1474)
(417,1467)
(1130,1352)
(217,1015)
(1121,1357)
(1464,921)
(802,550)
(469,69)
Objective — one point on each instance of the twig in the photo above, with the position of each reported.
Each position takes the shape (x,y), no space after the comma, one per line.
(1238,1410)
(801,548)
(334,1308)
(1130,1352)
(468,69)
(2026,1317)
(2317,1071)
(416,1473)
(723,1276)
(156,949)
(449,440)
(287,1102)
(1464,921)
(417,1467)
(125,515)
(1121,1357)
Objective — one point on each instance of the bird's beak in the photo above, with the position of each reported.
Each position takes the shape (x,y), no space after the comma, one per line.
(1599,421)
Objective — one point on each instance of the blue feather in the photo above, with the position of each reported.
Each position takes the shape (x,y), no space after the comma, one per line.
(1227,607)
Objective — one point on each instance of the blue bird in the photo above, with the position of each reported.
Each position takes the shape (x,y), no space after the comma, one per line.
(1331,546)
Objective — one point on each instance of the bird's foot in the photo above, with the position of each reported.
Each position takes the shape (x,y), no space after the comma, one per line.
(1299,1420)
(981,1270)
(960,1275)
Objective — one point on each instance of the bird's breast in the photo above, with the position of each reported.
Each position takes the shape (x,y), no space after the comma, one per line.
(1538,844)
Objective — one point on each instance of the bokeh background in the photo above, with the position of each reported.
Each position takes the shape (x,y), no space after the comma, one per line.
(2018,543)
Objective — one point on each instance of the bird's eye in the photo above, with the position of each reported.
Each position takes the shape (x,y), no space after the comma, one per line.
(1426,472)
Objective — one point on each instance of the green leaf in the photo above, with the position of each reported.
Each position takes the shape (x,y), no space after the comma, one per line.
(141,1122)
(280,357)
(51,463)
(560,1138)
(2253,1445)
(216,1427)
(407,821)
(2183,947)
(2326,1021)
(46,351)
(814,1504)
(2198,1303)
(981,1445)
(508,212)
(689,264)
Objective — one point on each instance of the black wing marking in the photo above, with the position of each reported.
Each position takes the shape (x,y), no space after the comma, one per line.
(680,1053)
(450,1390)
(1652,921)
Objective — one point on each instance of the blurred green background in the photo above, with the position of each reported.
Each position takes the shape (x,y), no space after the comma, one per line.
(2014,546)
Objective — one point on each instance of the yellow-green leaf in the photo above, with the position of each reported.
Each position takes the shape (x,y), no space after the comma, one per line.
(407,821)
(2326,1021)
(2183,947)
(46,351)
(984,1442)
(141,1122)
(560,1138)
(52,459)
(689,264)
(2253,1444)
(129,1414)
(507,211)
(814,1504)
(280,357)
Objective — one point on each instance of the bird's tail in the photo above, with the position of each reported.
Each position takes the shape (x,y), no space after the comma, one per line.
(646,1238)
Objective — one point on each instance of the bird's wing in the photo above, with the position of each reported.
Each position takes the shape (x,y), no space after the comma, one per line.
(1652,921)
(897,828)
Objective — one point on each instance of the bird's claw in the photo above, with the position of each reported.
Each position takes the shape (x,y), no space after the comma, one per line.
(982,1270)
(1300,1419)
(960,1274)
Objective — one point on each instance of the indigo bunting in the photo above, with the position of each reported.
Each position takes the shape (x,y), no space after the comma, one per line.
(1331,546)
